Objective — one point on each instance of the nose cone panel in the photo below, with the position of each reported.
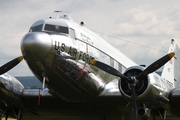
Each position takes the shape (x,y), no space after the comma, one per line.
(36,45)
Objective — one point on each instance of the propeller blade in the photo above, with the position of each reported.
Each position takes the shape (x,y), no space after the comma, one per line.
(133,107)
(107,68)
(156,65)
(6,67)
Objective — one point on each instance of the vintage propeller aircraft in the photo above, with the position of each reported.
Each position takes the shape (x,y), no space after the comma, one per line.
(87,78)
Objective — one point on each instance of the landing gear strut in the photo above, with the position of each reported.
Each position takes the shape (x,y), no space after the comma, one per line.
(5,113)
(162,114)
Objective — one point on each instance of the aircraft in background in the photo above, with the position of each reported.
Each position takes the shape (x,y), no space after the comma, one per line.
(87,78)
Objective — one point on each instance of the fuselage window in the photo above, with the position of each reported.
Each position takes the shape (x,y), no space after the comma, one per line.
(120,68)
(56,28)
(72,33)
(112,62)
(36,28)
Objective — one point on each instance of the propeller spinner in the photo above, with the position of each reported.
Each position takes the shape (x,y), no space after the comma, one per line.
(133,79)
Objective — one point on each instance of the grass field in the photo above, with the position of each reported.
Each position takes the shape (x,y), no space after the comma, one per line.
(9,119)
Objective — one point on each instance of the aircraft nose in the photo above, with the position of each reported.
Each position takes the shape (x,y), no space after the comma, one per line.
(36,45)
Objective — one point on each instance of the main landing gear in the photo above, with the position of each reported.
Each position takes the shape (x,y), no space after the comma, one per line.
(15,113)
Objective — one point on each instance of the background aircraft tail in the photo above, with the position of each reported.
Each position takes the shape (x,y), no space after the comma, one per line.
(171,70)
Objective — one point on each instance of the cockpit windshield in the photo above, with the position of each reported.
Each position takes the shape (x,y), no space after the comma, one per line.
(56,28)
(36,28)
(50,28)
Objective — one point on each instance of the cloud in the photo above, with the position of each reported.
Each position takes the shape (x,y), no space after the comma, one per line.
(144,29)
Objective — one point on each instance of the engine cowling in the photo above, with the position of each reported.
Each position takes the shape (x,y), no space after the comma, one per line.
(149,89)
(141,85)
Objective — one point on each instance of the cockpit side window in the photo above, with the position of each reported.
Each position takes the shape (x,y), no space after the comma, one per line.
(36,28)
(56,28)
(72,33)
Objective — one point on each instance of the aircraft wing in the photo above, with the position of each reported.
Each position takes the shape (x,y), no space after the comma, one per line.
(110,104)
(44,104)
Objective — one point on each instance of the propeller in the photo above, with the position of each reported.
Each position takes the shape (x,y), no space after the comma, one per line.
(156,65)
(132,80)
(107,68)
(133,107)
(6,67)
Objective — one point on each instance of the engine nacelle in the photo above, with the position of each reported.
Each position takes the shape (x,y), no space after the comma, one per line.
(149,89)
(11,90)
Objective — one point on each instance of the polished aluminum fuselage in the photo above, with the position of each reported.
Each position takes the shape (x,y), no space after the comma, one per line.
(59,51)
(64,61)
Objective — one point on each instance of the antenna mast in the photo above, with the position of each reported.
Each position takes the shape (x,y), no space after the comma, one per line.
(57,13)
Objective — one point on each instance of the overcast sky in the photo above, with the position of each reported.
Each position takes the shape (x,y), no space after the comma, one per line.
(144,29)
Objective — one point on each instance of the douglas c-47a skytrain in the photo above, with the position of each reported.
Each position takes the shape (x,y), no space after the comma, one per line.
(87,78)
